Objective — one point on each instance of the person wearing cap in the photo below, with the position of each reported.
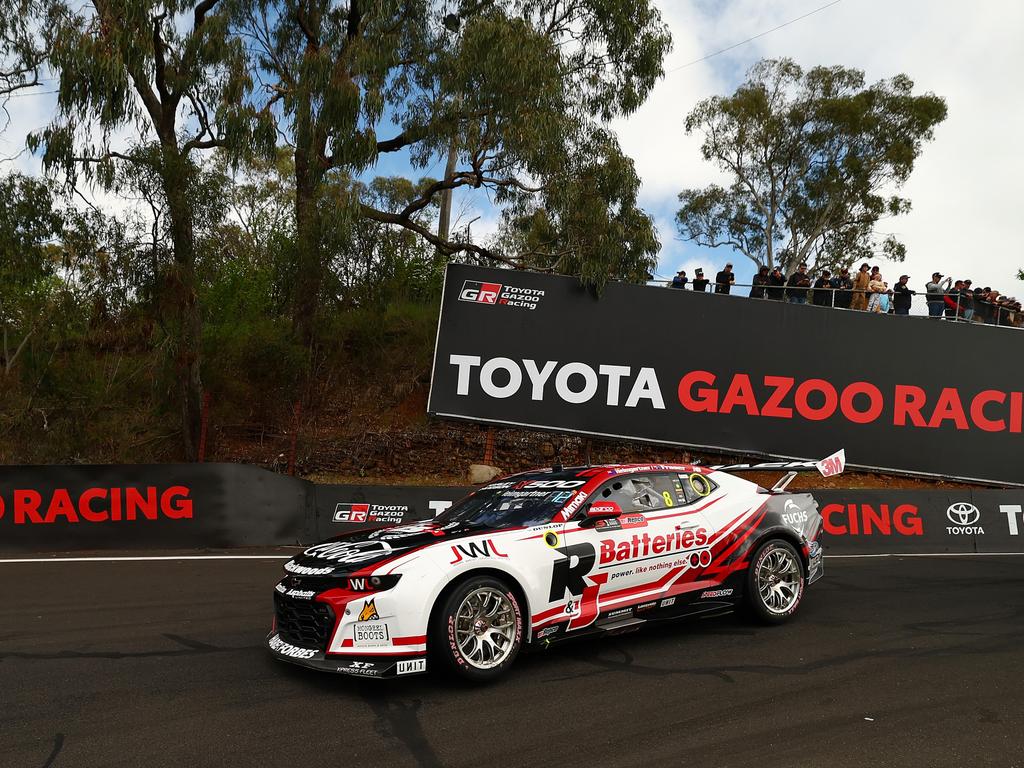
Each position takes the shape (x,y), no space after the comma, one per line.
(967,300)
(842,285)
(822,294)
(935,294)
(759,283)
(724,280)
(953,298)
(700,283)
(859,300)
(902,296)
(680,280)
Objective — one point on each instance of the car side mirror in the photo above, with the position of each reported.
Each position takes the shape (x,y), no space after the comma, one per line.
(602,510)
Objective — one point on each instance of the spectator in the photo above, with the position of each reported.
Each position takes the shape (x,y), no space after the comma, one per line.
(822,295)
(842,285)
(724,280)
(700,283)
(876,274)
(797,285)
(979,301)
(876,289)
(776,281)
(954,309)
(859,300)
(680,280)
(902,296)
(967,300)
(759,282)
(934,294)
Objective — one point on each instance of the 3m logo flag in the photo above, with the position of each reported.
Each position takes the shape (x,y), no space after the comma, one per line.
(832,465)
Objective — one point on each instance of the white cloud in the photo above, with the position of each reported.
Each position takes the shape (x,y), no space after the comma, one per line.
(963,188)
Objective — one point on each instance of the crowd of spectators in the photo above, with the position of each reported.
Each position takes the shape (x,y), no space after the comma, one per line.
(868,291)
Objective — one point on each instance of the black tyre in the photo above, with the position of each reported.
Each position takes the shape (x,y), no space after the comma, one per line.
(478,631)
(775,582)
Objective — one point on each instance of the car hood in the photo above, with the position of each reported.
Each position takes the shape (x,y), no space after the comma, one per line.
(358,550)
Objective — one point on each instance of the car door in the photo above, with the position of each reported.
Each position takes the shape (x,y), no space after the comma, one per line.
(635,557)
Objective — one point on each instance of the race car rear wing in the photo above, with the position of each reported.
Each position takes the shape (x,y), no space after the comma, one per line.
(829,466)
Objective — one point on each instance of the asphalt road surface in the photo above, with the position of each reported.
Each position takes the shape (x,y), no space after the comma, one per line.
(892,661)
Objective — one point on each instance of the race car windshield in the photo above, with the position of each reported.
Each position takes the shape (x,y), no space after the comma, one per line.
(507,507)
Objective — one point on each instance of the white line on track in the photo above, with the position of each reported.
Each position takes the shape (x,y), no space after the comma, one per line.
(137,559)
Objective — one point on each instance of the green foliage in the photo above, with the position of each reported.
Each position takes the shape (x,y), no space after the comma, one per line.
(814,157)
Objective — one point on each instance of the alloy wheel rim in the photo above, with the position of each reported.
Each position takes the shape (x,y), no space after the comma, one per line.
(485,626)
(779,580)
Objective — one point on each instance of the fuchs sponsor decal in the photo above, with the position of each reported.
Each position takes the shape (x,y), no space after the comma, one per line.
(644,545)
(348,512)
(370,634)
(411,666)
(287,649)
(868,520)
(716,593)
(98,505)
(369,612)
(573,382)
(1012,512)
(350,551)
(475,549)
(963,516)
(792,514)
(304,570)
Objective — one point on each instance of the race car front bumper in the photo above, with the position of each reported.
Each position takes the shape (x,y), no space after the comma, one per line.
(358,666)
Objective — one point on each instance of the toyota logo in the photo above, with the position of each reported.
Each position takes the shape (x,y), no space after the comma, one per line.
(963,513)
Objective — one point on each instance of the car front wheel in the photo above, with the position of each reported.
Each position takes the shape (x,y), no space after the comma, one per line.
(478,631)
(775,582)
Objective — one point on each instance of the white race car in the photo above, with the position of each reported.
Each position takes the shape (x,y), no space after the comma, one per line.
(541,557)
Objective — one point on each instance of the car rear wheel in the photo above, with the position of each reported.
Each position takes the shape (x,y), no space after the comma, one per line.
(478,630)
(775,582)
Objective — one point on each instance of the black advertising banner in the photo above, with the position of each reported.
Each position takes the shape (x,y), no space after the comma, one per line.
(58,508)
(909,394)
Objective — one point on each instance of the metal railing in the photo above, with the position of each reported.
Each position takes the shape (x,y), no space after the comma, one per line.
(956,308)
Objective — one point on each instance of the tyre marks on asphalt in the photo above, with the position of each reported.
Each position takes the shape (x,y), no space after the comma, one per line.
(192,648)
(58,745)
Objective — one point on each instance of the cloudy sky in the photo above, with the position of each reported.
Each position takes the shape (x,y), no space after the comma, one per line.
(963,188)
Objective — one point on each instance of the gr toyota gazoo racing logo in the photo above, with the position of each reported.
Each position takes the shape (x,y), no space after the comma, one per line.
(348,512)
(496,293)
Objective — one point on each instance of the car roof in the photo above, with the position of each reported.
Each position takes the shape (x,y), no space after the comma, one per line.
(603,471)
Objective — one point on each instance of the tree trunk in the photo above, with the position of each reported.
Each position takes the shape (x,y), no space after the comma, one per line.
(308,276)
(186,320)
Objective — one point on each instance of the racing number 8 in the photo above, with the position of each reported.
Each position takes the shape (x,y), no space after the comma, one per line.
(669,502)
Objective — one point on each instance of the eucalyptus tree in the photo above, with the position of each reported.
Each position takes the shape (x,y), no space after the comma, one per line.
(170,76)
(514,92)
(815,160)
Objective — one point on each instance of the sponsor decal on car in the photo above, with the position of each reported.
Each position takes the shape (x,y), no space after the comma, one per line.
(715,593)
(963,516)
(304,570)
(291,651)
(363,668)
(411,666)
(619,612)
(667,602)
(370,634)
(475,549)
(540,634)
(369,612)
(301,594)
(641,546)
(350,551)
